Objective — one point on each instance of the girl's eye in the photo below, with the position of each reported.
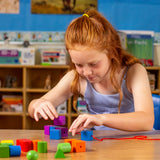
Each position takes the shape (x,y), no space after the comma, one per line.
(78,65)
(93,64)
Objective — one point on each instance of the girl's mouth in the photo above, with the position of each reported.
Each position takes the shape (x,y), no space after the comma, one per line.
(90,78)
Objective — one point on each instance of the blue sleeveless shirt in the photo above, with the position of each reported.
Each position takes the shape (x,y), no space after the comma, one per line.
(100,104)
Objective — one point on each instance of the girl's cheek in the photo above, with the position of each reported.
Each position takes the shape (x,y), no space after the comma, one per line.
(79,71)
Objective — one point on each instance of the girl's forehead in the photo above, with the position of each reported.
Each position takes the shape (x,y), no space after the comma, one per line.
(85,49)
(86,56)
(84,53)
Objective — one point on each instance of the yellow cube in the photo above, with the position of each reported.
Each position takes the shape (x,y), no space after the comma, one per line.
(7,141)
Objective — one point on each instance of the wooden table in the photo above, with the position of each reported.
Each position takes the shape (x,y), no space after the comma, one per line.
(127,149)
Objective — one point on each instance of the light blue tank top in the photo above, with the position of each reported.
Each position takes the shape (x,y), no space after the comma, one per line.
(100,103)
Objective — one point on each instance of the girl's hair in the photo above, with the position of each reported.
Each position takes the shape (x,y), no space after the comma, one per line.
(94,31)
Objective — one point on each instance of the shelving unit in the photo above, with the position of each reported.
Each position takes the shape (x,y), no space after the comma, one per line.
(156,71)
(30,84)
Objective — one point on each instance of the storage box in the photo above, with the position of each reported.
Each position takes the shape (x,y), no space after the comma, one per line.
(62,109)
(82,105)
(27,56)
(55,56)
(10,56)
(17,55)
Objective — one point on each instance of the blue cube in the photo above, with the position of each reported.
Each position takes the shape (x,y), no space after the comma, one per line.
(87,135)
(15,150)
(55,134)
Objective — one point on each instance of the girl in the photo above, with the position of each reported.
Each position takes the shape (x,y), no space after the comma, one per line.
(114,83)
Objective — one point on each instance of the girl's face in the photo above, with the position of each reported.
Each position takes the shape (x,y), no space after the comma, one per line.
(91,64)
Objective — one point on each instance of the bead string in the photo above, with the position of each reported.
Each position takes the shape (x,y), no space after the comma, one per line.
(141,137)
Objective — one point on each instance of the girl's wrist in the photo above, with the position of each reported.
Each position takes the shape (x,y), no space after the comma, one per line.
(101,118)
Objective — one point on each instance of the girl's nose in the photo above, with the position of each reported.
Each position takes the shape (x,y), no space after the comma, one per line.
(87,71)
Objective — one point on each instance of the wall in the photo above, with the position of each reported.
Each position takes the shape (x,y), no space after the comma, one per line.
(123,14)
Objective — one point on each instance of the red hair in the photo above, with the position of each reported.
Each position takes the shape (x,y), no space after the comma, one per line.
(96,32)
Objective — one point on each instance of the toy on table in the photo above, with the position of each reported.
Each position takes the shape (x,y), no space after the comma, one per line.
(8,149)
(87,135)
(76,145)
(15,150)
(57,132)
(42,147)
(35,144)
(4,151)
(7,141)
(60,121)
(70,145)
(64,147)
(59,154)
(26,144)
(32,155)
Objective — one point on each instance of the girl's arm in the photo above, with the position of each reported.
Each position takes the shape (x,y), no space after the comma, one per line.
(140,120)
(143,117)
(45,106)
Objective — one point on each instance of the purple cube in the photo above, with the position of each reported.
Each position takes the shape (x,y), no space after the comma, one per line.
(60,121)
(47,129)
(64,131)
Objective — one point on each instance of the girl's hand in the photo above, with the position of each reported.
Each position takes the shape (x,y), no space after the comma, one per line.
(44,109)
(84,121)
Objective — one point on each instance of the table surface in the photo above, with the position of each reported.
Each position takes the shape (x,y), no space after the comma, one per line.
(129,149)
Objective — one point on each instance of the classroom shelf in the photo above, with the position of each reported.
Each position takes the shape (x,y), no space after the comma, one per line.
(30,85)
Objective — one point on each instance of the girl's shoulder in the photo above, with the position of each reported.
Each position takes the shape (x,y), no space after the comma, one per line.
(136,68)
(135,74)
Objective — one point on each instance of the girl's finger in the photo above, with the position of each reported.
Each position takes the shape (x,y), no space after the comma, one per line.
(43,114)
(36,117)
(78,127)
(86,123)
(48,113)
(52,110)
(72,126)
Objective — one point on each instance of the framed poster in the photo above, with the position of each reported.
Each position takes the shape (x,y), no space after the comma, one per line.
(61,6)
(9,6)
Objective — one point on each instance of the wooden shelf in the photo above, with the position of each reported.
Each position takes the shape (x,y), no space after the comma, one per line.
(11,89)
(156,92)
(74,114)
(153,68)
(39,90)
(12,113)
(30,85)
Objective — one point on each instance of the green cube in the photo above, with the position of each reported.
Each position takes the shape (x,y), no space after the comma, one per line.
(4,151)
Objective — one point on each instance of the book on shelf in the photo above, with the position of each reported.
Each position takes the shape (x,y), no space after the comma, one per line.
(141,45)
